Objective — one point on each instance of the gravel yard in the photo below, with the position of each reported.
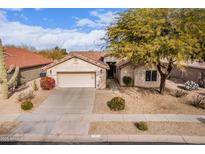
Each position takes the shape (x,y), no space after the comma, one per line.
(139,101)
(154,128)
(12,106)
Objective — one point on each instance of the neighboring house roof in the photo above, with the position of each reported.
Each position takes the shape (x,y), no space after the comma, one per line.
(24,58)
(196,65)
(92,57)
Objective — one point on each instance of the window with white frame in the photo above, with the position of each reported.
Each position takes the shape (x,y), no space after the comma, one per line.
(151,75)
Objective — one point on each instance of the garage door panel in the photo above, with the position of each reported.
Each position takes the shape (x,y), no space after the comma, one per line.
(76,79)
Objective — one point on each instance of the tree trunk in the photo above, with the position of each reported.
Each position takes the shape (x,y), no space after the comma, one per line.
(164,75)
(162,84)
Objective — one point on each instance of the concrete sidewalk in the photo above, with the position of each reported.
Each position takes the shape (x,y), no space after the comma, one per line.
(73,128)
(29,117)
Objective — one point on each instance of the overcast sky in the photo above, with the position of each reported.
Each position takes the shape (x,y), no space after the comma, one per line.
(73,29)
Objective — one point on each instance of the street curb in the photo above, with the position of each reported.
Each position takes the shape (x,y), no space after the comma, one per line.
(137,139)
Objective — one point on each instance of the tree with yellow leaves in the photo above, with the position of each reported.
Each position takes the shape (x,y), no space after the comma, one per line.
(161,37)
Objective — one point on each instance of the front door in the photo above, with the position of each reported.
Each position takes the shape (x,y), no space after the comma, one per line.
(111,72)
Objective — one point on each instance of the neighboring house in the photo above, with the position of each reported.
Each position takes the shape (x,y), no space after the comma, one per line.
(92,69)
(191,72)
(30,63)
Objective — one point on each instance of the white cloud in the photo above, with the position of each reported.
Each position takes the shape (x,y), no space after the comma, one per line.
(40,38)
(14,9)
(3,16)
(103,19)
(86,22)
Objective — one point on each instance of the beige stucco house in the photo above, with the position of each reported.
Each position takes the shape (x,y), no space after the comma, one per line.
(92,69)
(142,76)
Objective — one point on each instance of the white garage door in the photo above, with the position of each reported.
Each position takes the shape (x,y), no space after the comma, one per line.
(76,79)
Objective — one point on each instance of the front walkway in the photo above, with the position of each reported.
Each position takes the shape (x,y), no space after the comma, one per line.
(113,85)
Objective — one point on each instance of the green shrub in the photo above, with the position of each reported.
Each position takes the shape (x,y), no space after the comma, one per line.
(127,80)
(27,105)
(141,125)
(35,86)
(116,104)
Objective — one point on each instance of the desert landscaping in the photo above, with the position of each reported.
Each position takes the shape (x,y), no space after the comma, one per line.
(146,101)
(13,105)
(154,128)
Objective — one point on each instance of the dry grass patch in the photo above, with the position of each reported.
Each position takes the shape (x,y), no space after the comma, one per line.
(6,127)
(155,128)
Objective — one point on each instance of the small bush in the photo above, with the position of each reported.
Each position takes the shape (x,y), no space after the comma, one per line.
(198,101)
(127,80)
(26,96)
(179,93)
(35,86)
(47,83)
(191,85)
(141,125)
(116,104)
(27,105)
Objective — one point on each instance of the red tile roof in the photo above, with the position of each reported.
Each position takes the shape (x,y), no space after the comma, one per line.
(94,55)
(89,56)
(24,58)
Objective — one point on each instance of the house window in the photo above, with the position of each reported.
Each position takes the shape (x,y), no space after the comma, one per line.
(50,72)
(200,75)
(151,75)
(43,74)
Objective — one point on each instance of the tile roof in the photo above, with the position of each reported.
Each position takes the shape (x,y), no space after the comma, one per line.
(24,58)
(123,63)
(92,57)
(194,64)
(197,65)
(200,65)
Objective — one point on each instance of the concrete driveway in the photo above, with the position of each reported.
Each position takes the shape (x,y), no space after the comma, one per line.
(60,114)
(69,101)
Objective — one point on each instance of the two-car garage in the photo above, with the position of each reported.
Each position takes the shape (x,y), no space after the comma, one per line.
(76,79)
(78,71)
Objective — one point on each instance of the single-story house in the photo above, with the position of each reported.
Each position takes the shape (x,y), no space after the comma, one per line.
(92,69)
(29,62)
(190,72)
